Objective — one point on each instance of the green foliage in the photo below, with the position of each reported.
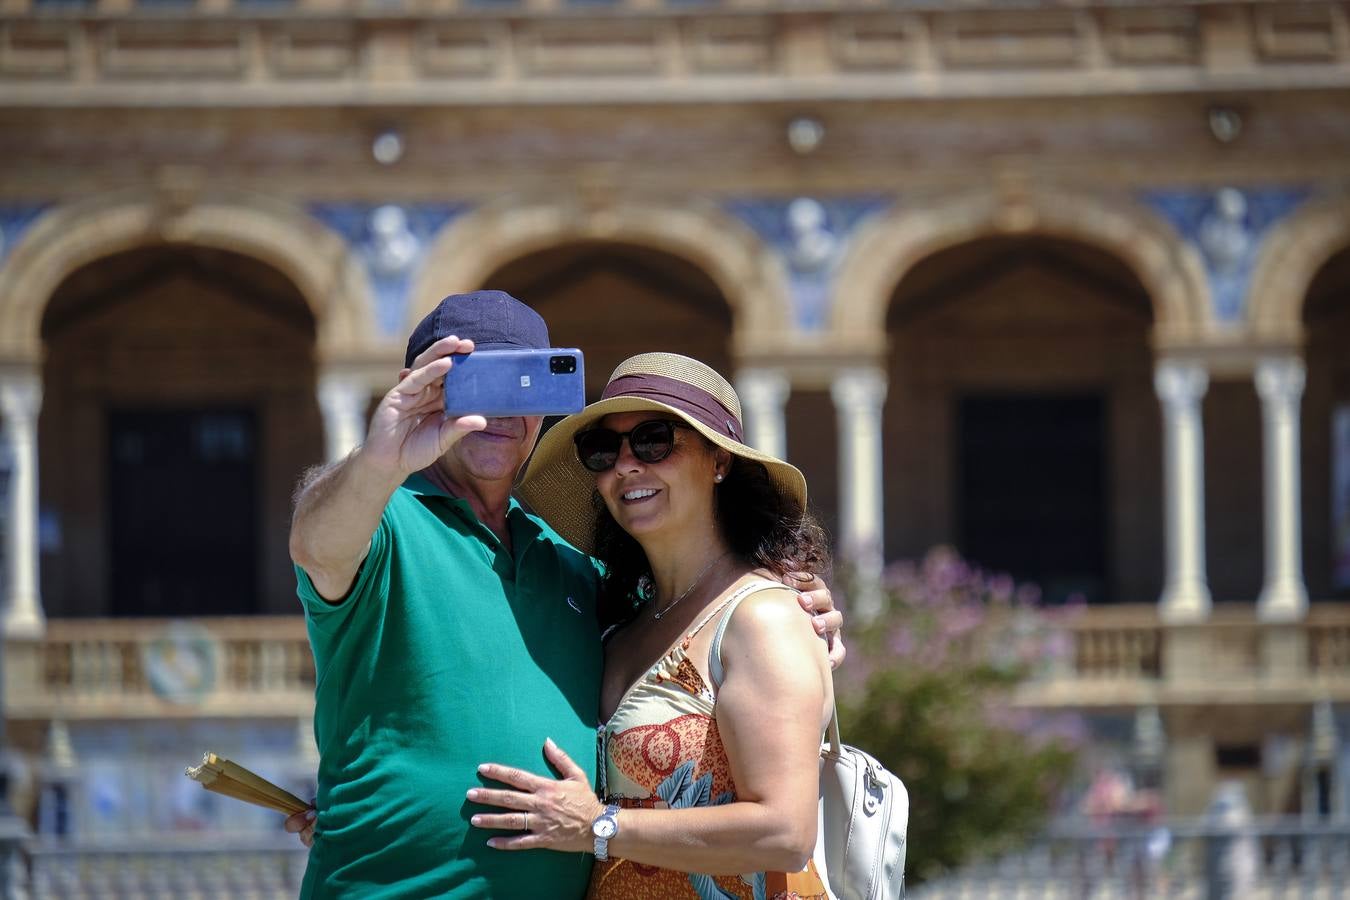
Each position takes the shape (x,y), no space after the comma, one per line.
(927,689)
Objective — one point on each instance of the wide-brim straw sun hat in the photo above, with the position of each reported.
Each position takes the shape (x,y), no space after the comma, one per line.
(559,488)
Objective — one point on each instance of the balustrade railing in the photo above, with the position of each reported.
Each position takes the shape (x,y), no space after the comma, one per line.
(1120,644)
(1185,858)
(1329,643)
(129,668)
(101,668)
(256,868)
(1125,655)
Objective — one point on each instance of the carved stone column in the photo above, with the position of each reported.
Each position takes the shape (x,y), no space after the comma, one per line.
(763,394)
(342,401)
(858,397)
(1279,382)
(1180,387)
(20,400)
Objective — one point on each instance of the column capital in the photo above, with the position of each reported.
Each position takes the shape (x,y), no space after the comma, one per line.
(760,386)
(342,388)
(343,396)
(20,396)
(1180,383)
(764,393)
(1281,379)
(859,388)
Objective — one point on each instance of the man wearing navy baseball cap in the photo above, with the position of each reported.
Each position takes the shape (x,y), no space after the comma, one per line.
(449,626)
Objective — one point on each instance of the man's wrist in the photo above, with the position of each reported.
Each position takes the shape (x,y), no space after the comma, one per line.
(365,469)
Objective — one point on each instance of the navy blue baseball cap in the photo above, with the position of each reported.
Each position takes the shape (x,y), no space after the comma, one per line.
(493,320)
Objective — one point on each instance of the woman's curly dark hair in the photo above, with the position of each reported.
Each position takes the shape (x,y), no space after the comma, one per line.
(762,527)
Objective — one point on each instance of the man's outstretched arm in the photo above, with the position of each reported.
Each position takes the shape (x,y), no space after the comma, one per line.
(337,510)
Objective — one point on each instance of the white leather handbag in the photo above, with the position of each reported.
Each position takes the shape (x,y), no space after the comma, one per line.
(864,812)
(864,809)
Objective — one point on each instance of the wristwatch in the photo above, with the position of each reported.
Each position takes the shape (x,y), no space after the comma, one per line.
(605,826)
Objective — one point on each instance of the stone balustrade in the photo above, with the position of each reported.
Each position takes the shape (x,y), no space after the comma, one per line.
(240,667)
(1127,656)
(134,668)
(1255,859)
(260,867)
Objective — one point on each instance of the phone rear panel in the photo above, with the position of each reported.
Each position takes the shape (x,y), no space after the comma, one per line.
(516,383)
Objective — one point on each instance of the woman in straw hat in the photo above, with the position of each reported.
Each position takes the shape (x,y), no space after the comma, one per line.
(716,689)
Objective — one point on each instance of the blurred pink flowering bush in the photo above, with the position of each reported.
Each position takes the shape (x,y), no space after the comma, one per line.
(927,690)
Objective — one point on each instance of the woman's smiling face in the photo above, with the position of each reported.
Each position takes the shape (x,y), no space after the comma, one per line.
(646,499)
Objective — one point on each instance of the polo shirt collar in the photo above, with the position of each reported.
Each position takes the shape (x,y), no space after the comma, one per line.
(422,486)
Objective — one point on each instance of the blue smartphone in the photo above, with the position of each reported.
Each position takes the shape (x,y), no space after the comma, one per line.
(550,382)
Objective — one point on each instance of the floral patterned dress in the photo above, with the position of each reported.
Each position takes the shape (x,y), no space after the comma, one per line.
(660,749)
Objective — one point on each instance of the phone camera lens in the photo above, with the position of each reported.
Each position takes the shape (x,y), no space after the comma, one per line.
(562,365)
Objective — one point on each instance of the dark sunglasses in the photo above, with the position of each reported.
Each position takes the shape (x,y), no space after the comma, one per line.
(652,441)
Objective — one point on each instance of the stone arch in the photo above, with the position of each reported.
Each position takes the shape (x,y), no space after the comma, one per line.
(750,276)
(314,258)
(1170,270)
(1289,259)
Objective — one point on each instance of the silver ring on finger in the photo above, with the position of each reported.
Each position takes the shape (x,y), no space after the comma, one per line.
(524,821)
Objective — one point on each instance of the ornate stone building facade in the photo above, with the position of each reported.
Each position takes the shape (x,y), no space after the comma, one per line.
(1067,286)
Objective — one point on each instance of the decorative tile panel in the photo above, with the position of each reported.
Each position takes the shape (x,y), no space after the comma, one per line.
(392,242)
(811,235)
(1227,226)
(14,221)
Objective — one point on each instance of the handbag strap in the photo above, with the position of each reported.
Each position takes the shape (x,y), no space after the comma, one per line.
(832,739)
(715,669)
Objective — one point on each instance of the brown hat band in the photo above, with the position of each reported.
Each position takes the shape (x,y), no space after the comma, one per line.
(697,403)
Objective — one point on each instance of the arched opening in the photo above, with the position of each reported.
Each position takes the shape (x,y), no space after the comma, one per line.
(1326,431)
(1021,423)
(179,407)
(613,300)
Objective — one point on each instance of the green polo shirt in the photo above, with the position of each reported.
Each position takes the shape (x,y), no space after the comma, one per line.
(450,651)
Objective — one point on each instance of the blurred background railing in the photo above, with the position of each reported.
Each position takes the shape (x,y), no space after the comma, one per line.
(241,868)
(119,668)
(1127,655)
(243,667)
(1186,858)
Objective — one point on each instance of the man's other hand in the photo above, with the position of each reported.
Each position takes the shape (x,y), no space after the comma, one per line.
(815,598)
(302,823)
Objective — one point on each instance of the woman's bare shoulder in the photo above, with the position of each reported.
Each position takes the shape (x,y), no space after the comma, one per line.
(768,611)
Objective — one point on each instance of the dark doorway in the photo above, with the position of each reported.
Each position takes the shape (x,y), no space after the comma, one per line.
(183,512)
(1032,490)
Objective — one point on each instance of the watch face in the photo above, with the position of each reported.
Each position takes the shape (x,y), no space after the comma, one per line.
(605,828)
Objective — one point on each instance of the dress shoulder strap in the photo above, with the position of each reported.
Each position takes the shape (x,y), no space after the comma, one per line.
(735,598)
(715,669)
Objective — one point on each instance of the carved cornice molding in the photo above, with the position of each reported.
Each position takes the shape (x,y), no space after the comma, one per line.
(225,53)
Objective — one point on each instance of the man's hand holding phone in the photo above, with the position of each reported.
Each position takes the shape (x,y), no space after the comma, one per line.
(409,430)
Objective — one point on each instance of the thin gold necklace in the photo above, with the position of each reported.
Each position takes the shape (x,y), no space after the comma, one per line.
(689,590)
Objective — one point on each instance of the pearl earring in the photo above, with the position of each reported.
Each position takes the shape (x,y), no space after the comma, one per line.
(717,477)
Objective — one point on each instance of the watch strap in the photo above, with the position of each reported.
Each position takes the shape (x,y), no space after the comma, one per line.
(602,843)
